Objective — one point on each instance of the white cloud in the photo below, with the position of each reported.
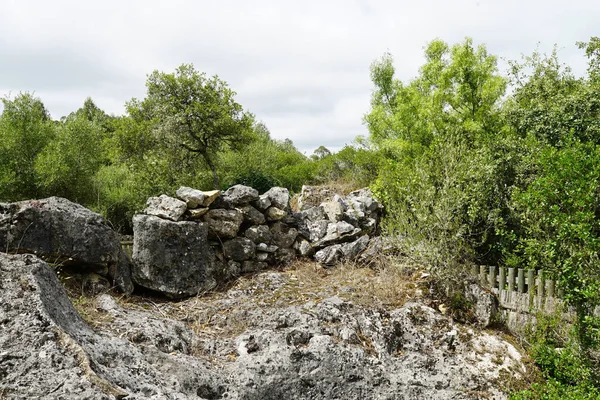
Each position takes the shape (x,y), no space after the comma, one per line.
(301,67)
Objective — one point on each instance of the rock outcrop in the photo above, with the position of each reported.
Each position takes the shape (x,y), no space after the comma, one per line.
(255,342)
(66,233)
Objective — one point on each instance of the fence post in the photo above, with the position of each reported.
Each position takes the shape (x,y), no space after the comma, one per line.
(482,275)
(521,281)
(511,279)
(502,283)
(492,277)
(540,284)
(550,288)
(531,281)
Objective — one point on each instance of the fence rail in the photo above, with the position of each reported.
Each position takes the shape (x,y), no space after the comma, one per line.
(517,280)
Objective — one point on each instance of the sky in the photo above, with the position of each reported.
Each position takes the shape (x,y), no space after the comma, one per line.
(301,67)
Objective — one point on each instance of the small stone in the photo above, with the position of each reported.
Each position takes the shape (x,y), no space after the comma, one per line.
(165,207)
(192,197)
(239,249)
(275,214)
(197,213)
(279,197)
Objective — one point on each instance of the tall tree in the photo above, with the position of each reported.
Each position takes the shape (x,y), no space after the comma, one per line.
(192,115)
(25,129)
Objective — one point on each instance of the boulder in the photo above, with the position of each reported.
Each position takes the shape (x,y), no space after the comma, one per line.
(283,236)
(224,223)
(339,232)
(330,255)
(311,196)
(352,250)
(262,203)
(334,210)
(259,234)
(485,304)
(172,258)
(275,214)
(64,232)
(314,231)
(279,197)
(239,249)
(165,207)
(209,197)
(313,214)
(192,197)
(239,195)
(252,215)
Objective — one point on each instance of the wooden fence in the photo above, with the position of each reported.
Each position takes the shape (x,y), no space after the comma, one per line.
(518,280)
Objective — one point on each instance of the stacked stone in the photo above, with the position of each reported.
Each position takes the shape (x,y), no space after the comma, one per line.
(337,229)
(189,244)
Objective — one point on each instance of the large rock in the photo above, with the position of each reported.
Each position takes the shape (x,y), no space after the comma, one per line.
(283,235)
(312,196)
(64,232)
(192,197)
(252,215)
(259,234)
(271,340)
(172,258)
(239,249)
(224,223)
(166,207)
(240,195)
(279,197)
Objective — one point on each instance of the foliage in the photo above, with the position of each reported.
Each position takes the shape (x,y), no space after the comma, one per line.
(192,116)
(25,129)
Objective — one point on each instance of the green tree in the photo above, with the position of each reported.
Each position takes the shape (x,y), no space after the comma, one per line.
(191,115)
(25,129)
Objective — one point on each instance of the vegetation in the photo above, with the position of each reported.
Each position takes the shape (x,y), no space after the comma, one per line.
(473,166)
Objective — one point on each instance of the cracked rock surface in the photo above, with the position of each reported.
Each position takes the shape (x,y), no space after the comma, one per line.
(276,335)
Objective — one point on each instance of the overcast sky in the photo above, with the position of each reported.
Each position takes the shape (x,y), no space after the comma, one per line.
(302,67)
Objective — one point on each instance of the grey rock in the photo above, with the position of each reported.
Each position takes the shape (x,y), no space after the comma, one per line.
(283,236)
(334,210)
(262,256)
(209,197)
(192,197)
(239,249)
(352,250)
(266,248)
(311,196)
(252,215)
(240,195)
(322,349)
(330,255)
(304,248)
(254,266)
(67,233)
(224,223)
(339,232)
(275,214)
(262,203)
(279,197)
(165,207)
(314,231)
(313,213)
(259,234)
(198,213)
(285,256)
(234,268)
(172,258)
(485,304)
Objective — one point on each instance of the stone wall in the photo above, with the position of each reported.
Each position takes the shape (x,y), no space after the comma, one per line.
(187,244)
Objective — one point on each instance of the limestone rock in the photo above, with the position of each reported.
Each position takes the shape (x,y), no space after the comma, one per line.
(313,213)
(303,247)
(275,214)
(252,215)
(259,234)
(283,236)
(172,258)
(334,210)
(351,251)
(224,223)
(198,213)
(330,255)
(266,248)
(285,256)
(209,197)
(485,304)
(312,196)
(262,203)
(239,195)
(165,207)
(64,232)
(279,197)
(192,197)
(239,249)
(254,266)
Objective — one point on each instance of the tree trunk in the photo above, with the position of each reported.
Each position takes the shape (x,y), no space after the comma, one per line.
(213,169)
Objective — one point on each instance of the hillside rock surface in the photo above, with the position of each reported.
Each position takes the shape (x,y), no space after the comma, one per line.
(275,336)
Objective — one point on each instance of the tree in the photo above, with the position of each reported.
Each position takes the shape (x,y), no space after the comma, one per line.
(320,153)
(192,115)
(25,129)
(458,91)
